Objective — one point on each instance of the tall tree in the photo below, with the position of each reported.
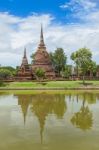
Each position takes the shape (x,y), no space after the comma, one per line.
(75,58)
(82,59)
(58,59)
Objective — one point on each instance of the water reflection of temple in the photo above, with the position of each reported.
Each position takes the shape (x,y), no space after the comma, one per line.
(24,101)
(42,105)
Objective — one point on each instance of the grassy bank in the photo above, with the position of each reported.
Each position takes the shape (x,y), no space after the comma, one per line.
(53,84)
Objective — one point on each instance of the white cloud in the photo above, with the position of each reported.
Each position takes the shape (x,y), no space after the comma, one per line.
(10,59)
(86,5)
(17,32)
(83,10)
(64,6)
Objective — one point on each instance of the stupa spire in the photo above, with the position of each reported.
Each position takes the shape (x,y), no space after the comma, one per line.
(24,61)
(41,36)
(41,45)
(24,52)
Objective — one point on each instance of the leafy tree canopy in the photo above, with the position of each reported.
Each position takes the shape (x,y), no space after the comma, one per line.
(58,59)
(83,59)
(5,73)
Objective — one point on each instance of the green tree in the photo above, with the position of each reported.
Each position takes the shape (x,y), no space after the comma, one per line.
(92,68)
(58,59)
(5,74)
(82,59)
(32,57)
(39,73)
(11,69)
(75,58)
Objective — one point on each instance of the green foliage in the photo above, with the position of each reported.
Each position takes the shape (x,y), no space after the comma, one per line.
(1,83)
(40,73)
(58,59)
(66,72)
(82,58)
(92,66)
(9,68)
(32,57)
(5,74)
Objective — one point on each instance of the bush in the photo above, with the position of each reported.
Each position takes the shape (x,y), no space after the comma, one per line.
(5,74)
(40,73)
(1,83)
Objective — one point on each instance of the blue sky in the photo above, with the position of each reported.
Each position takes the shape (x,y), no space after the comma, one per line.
(70,24)
(61,9)
(26,7)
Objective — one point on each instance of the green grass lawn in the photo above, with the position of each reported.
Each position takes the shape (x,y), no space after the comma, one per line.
(53,84)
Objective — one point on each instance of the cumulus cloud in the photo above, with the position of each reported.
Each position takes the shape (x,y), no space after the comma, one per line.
(86,5)
(81,9)
(17,33)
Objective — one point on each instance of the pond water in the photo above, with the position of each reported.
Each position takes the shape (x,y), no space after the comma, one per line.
(49,121)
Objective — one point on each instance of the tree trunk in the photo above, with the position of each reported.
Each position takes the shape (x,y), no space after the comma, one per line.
(77,72)
(91,75)
(83,79)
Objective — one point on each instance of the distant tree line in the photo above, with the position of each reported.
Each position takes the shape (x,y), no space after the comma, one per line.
(7,72)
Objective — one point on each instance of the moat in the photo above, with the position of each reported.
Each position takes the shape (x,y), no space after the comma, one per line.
(49,121)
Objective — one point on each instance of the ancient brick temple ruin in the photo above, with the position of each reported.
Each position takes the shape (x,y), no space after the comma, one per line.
(41,60)
(24,71)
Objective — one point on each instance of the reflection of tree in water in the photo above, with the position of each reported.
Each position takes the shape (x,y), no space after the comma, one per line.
(42,105)
(83,118)
(89,97)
